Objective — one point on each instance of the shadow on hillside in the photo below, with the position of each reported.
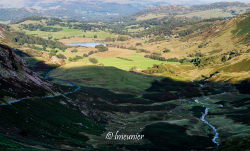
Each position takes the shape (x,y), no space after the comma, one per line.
(49,117)
(16,80)
(160,90)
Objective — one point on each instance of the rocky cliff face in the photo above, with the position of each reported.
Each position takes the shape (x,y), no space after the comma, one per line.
(16,80)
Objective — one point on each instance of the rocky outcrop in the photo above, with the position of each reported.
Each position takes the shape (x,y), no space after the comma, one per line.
(1,32)
(56,61)
(16,79)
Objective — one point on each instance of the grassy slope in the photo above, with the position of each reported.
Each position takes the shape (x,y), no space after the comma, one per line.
(45,123)
(214,43)
(106,77)
(213,13)
(243,28)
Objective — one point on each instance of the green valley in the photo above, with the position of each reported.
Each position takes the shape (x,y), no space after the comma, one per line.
(162,78)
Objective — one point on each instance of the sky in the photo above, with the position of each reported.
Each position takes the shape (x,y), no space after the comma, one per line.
(26,3)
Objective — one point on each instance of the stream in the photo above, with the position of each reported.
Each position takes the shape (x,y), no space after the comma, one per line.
(203,119)
(77,88)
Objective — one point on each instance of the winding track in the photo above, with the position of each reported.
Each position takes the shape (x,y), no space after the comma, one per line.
(77,88)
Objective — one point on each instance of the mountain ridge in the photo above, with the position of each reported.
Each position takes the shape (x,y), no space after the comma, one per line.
(96,10)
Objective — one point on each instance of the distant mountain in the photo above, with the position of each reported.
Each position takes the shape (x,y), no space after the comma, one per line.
(59,3)
(166,9)
(214,10)
(16,13)
(221,5)
(90,10)
(77,10)
(81,10)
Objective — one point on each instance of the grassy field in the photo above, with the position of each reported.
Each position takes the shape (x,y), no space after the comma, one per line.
(105,77)
(137,61)
(66,33)
(124,59)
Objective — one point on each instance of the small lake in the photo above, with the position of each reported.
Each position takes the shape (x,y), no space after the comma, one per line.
(86,44)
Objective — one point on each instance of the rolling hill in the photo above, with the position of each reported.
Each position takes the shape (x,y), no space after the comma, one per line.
(219,10)
(219,50)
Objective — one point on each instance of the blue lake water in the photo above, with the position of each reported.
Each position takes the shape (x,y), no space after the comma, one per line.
(86,44)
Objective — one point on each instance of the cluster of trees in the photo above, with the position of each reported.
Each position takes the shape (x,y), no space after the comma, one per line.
(206,60)
(110,39)
(89,53)
(34,27)
(53,52)
(155,57)
(61,56)
(37,48)
(193,29)
(85,27)
(119,30)
(76,58)
(6,27)
(163,67)
(53,21)
(22,39)
(101,48)
(197,54)
(74,51)
(122,38)
(119,38)
(35,18)
(158,69)
(158,38)
(156,27)
(124,58)
(93,60)
(142,50)
(166,50)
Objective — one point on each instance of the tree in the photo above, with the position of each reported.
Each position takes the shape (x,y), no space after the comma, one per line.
(166,50)
(74,51)
(101,48)
(44,47)
(93,60)
(61,56)
(53,52)
(122,38)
